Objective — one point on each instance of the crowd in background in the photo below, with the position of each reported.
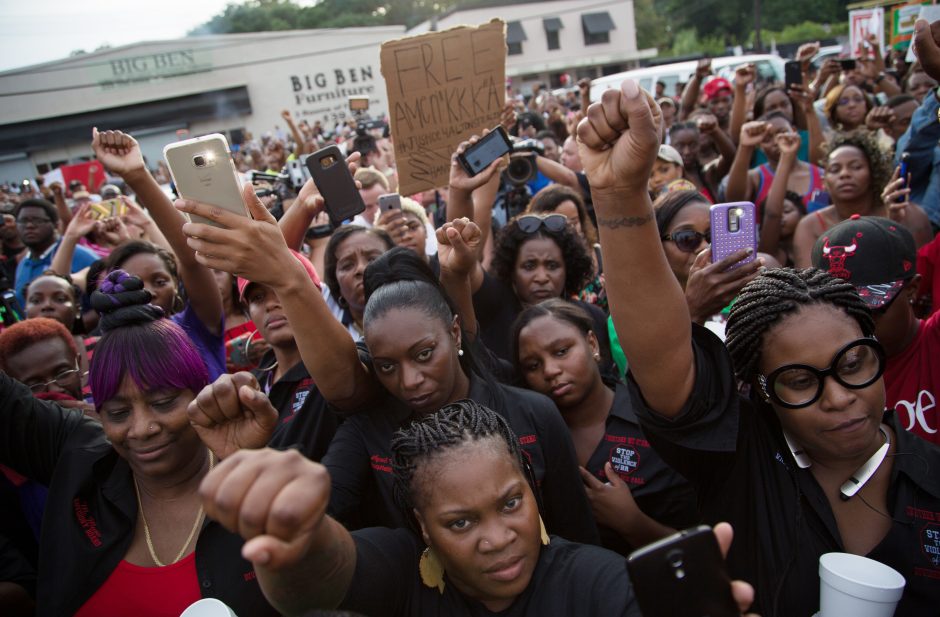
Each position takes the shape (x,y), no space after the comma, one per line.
(479,402)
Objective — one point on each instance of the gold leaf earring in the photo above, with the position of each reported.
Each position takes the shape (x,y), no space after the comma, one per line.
(431,569)
(544,533)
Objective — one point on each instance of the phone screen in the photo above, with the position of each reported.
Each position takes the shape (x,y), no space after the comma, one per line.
(481,154)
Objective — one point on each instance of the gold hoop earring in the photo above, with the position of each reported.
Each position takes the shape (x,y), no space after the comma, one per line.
(431,570)
(248,343)
(178,304)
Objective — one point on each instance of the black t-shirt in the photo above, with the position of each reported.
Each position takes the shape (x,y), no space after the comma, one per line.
(496,307)
(304,418)
(734,453)
(569,579)
(359,462)
(660,492)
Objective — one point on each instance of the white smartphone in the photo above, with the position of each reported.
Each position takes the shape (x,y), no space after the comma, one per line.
(202,170)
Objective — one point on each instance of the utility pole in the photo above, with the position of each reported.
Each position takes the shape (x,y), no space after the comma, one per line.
(758,47)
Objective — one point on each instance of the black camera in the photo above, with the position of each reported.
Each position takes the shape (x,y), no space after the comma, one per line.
(522,167)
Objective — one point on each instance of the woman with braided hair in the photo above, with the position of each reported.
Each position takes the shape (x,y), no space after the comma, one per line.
(809,463)
(476,547)
(417,355)
(126,532)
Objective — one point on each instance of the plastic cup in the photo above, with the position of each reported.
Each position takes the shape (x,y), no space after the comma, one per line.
(857,586)
(208,607)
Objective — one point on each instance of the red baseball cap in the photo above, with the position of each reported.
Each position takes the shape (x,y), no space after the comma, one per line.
(716,87)
(311,272)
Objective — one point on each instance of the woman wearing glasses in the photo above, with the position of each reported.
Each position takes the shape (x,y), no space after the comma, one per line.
(127,533)
(684,224)
(809,464)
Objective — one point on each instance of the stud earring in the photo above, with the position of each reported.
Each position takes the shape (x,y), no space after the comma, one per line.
(460,352)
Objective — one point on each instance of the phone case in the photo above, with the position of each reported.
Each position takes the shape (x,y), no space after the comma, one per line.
(682,576)
(337,186)
(214,182)
(480,155)
(725,240)
(793,73)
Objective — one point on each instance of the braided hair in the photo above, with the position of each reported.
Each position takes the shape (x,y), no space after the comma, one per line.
(773,295)
(453,425)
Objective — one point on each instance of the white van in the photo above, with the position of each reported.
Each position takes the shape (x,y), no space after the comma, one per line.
(769,69)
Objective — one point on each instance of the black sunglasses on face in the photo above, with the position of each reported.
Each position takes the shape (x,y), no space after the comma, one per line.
(687,240)
(857,365)
(531,223)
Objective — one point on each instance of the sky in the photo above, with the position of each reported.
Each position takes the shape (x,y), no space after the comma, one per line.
(34,31)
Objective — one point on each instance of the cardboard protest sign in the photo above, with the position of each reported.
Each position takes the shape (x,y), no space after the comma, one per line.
(442,88)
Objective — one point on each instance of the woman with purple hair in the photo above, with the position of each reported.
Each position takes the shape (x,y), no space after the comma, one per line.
(126,532)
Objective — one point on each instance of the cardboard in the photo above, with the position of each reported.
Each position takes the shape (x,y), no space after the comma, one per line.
(442,88)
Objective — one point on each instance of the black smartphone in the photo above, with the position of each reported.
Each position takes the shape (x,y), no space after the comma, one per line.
(600,259)
(682,576)
(792,73)
(847,64)
(330,173)
(480,155)
(10,311)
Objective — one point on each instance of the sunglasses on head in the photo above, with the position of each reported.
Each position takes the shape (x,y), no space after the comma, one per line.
(687,240)
(531,223)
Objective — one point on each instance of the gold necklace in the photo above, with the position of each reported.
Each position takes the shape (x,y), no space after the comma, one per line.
(192,532)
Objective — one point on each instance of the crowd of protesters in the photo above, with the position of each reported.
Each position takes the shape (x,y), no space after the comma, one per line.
(481,402)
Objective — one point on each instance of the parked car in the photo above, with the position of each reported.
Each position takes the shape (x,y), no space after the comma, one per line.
(769,69)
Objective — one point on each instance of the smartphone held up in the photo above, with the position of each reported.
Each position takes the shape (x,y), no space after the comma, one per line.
(202,170)
(481,155)
(734,227)
(682,575)
(331,174)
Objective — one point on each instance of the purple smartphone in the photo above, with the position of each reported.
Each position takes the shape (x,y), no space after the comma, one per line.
(733,228)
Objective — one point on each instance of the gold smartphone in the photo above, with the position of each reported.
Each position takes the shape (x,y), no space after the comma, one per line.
(203,171)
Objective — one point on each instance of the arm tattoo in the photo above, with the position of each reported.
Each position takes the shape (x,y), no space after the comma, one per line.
(625,221)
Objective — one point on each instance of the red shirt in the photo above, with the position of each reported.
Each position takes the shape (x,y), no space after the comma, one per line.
(928,267)
(145,592)
(912,381)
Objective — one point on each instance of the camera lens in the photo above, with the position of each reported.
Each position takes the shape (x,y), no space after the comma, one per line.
(675,559)
(199,160)
(521,170)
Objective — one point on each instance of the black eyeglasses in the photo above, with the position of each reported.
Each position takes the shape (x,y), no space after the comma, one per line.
(857,365)
(687,240)
(32,220)
(63,380)
(531,223)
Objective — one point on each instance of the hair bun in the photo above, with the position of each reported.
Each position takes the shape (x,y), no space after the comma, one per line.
(121,300)
(397,264)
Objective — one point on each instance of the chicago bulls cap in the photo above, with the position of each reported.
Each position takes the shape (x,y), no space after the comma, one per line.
(875,254)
